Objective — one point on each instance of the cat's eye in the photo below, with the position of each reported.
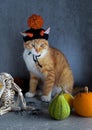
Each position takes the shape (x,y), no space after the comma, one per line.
(33,45)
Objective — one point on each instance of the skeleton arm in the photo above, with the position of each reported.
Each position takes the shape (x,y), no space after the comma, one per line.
(19,91)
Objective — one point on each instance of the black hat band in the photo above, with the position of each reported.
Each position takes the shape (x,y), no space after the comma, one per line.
(35,34)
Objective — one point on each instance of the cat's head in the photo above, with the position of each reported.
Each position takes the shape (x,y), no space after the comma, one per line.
(36,45)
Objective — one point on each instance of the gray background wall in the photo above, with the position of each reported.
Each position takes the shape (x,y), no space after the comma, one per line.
(71,32)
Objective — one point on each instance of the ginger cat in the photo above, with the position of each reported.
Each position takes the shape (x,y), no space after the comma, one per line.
(48,65)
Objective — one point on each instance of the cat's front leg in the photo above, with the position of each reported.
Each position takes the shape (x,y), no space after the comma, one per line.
(32,86)
(48,86)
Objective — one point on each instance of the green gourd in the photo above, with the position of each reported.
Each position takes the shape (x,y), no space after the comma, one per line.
(59,108)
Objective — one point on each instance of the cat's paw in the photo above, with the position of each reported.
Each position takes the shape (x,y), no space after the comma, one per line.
(28,94)
(46,98)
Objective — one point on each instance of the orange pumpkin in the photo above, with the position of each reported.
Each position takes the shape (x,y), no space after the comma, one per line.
(82,103)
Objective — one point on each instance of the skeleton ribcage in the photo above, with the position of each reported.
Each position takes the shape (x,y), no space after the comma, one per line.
(7,97)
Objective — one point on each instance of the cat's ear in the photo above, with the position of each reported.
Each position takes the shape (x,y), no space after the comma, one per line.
(47,31)
(23,34)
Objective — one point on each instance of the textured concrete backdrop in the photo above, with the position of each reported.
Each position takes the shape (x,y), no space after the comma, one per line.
(71,32)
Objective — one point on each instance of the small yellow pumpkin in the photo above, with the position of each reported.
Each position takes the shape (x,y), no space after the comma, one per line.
(69,98)
(82,103)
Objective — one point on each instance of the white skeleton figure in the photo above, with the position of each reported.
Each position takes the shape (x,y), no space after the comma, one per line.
(7,94)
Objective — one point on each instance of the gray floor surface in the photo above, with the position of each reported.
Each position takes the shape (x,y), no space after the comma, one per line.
(40,120)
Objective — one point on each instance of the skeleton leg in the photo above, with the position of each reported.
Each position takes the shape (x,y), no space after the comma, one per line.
(3,107)
(4,110)
(18,89)
(17,101)
(25,107)
(16,108)
(22,100)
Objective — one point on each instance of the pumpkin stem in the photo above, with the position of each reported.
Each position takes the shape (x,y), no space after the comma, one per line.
(86,89)
(62,91)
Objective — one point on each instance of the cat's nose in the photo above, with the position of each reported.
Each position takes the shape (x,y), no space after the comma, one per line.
(37,51)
